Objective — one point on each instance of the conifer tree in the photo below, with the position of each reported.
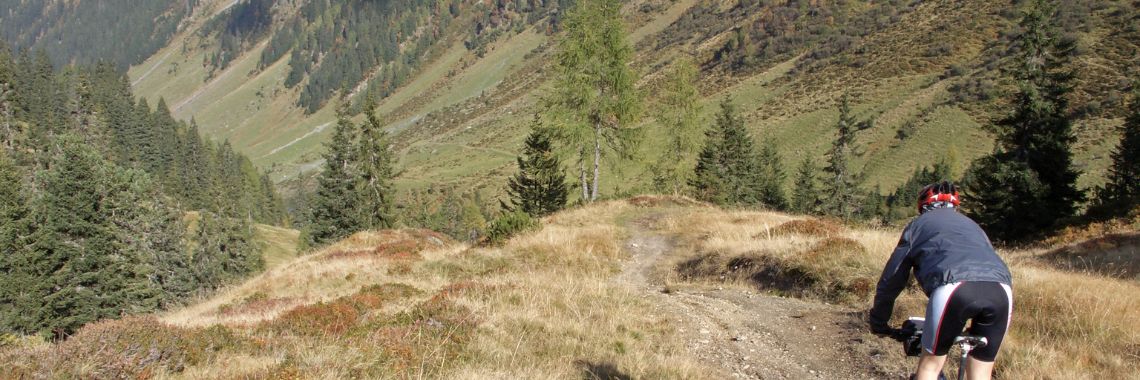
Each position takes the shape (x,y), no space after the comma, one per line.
(729,171)
(678,114)
(771,177)
(1033,161)
(539,188)
(594,97)
(1122,192)
(805,196)
(841,185)
(375,162)
(333,210)
(14,228)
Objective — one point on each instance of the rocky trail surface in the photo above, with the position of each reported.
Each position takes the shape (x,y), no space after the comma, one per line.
(751,335)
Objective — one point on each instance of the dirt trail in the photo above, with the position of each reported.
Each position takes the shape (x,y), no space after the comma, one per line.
(750,335)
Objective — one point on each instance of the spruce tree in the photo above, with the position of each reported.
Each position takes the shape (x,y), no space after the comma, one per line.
(771,177)
(1036,138)
(594,98)
(841,185)
(14,228)
(805,196)
(539,188)
(1121,194)
(729,170)
(678,114)
(333,209)
(375,161)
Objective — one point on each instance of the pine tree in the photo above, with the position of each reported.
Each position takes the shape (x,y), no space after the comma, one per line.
(1036,137)
(771,177)
(333,211)
(14,229)
(1121,194)
(539,188)
(729,170)
(595,98)
(805,196)
(841,186)
(680,109)
(375,161)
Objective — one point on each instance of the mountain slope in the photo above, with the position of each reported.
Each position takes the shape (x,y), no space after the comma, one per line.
(924,75)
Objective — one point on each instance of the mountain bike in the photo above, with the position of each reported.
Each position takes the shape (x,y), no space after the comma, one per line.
(911,336)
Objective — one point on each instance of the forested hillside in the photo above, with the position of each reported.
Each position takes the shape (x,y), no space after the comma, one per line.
(110,206)
(123,32)
(457,82)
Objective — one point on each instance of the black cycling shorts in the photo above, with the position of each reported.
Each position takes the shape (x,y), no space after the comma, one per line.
(987,305)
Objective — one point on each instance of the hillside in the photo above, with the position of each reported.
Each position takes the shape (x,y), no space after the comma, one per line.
(650,287)
(925,76)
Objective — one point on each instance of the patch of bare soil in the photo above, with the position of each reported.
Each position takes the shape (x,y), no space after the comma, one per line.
(750,335)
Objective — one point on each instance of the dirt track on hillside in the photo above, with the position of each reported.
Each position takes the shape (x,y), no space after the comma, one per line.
(749,335)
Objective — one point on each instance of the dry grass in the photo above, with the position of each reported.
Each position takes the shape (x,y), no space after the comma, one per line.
(541,306)
(1066,325)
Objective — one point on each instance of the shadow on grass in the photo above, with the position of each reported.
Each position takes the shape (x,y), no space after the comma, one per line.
(601,371)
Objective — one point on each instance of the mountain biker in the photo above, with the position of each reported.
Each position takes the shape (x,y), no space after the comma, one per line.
(962,275)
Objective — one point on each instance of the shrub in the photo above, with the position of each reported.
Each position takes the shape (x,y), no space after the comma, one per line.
(807,227)
(508,225)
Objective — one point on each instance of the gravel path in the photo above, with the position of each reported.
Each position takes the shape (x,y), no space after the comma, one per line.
(750,335)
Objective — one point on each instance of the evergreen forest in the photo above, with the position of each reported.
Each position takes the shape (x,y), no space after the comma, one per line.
(111,206)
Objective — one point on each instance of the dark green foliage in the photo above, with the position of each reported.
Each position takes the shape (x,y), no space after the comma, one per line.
(903,203)
(729,170)
(1035,137)
(510,224)
(805,194)
(333,207)
(1001,193)
(222,251)
(539,188)
(238,28)
(841,192)
(1121,194)
(375,161)
(354,189)
(125,32)
(91,206)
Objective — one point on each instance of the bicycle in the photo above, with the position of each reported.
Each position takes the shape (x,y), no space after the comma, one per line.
(911,336)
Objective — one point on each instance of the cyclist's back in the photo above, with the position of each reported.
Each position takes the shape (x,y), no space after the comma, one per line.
(957,267)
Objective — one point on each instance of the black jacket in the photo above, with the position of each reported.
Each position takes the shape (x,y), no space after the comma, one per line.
(942,247)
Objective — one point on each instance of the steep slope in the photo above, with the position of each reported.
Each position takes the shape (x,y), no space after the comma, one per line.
(649,287)
(925,78)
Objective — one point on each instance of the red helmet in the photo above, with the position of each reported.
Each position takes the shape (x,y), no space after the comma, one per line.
(937,195)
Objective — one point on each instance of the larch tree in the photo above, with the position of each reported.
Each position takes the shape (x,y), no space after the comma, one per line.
(594,97)
(678,113)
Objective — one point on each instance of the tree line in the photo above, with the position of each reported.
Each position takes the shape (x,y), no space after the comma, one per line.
(123,32)
(109,206)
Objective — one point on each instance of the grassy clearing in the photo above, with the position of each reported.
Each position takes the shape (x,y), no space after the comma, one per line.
(1065,325)
(402,304)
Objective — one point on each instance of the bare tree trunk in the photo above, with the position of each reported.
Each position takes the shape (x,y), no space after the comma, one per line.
(582,173)
(597,161)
